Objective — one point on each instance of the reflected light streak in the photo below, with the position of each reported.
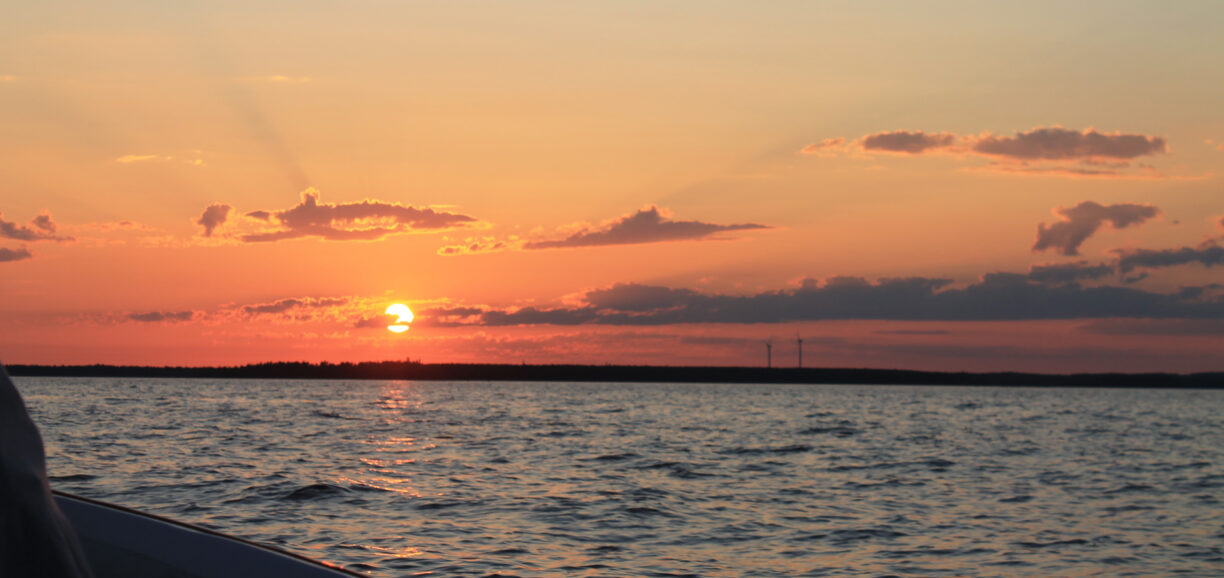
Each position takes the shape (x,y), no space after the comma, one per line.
(408,552)
(398,486)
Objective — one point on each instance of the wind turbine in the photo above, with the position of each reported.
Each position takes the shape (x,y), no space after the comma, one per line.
(769,353)
(799,340)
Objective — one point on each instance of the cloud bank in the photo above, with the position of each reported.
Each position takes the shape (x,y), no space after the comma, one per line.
(1058,143)
(1208,254)
(1070,272)
(1052,150)
(996,297)
(367,220)
(647,225)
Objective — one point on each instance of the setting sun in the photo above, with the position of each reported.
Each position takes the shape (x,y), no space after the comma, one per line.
(403,317)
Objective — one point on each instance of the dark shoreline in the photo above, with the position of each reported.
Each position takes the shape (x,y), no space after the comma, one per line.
(411,370)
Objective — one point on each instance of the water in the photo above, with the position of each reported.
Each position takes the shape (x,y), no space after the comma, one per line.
(539,479)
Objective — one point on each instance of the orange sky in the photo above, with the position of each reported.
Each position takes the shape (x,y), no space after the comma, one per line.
(624,183)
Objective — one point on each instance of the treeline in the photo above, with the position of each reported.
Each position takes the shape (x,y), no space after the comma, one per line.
(415,370)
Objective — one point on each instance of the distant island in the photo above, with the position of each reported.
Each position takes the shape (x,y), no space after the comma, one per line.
(415,370)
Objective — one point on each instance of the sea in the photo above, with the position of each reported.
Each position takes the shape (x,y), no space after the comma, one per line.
(435,478)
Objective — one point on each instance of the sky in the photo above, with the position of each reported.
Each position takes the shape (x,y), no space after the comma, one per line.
(963,186)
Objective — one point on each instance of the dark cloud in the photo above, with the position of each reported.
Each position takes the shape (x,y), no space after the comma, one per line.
(1208,254)
(162,316)
(647,225)
(534,316)
(367,220)
(18,254)
(214,216)
(41,228)
(1106,151)
(1050,151)
(279,306)
(449,316)
(1199,291)
(43,223)
(997,297)
(1060,144)
(1084,219)
(903,141)
(636,297)
(1069,272)
(283,305)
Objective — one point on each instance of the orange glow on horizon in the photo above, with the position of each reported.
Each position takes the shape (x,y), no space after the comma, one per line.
(629,185)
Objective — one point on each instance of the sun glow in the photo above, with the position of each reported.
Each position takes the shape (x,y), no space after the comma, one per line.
(403,317)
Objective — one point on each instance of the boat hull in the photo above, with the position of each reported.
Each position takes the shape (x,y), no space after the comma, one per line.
(120,541)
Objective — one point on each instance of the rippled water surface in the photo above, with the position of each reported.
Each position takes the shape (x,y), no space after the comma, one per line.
(530,479)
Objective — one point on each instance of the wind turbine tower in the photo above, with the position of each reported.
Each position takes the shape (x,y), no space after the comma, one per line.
(768,353)
(799,340)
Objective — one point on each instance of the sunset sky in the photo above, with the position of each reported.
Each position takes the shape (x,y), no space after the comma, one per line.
(1033,186)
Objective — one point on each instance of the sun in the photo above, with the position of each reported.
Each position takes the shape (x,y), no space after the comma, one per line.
(403,317)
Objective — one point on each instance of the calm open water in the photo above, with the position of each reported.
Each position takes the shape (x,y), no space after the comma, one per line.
(534,479)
